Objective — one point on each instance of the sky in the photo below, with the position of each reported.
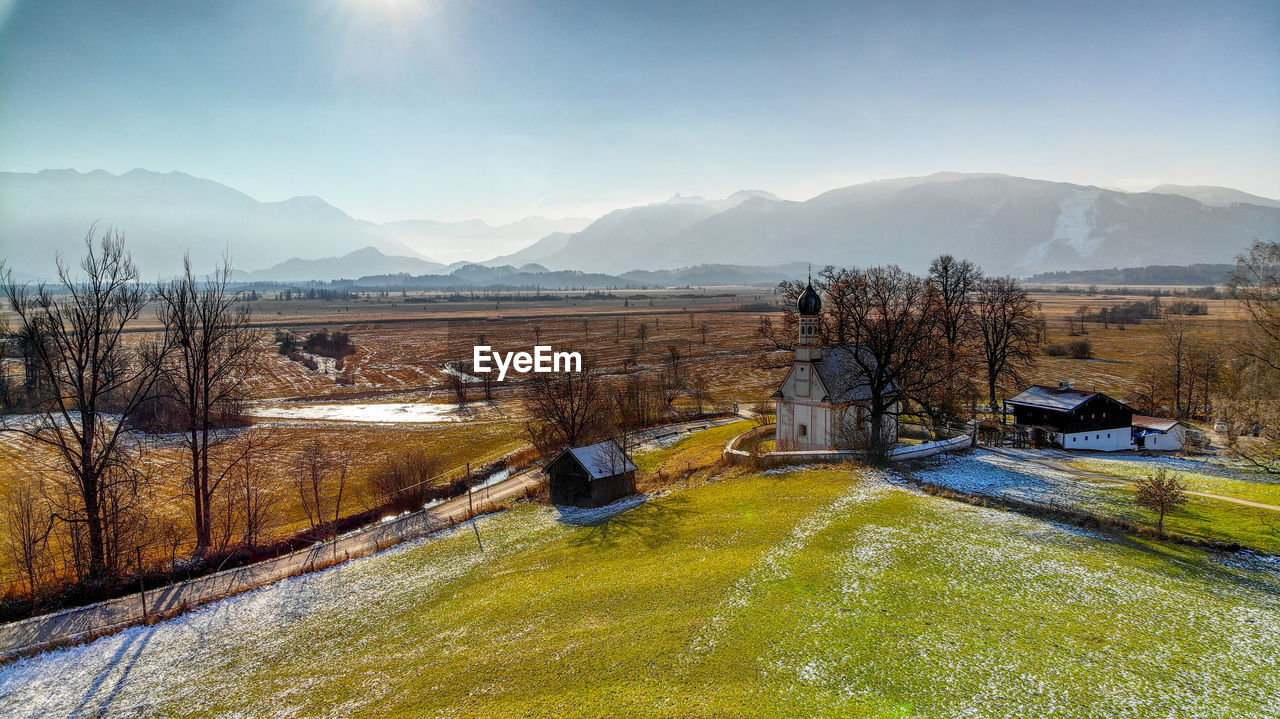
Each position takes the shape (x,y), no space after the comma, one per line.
(451,109)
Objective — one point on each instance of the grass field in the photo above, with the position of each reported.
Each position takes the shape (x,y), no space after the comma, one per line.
(1204,517)
(826,592)
(998,475)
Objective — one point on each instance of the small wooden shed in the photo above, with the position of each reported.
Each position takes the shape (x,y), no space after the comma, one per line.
(592,476)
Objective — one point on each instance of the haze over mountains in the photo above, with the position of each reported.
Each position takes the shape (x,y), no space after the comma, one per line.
(163,215)
(1007,224)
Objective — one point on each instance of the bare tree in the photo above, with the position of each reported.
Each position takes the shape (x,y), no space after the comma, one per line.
(636,403)
(1255,285)
(94,373)
(1176,348)
(703,329)
(566,408)
(762,413)
(341,459)
(837,286)
(1160,492)
(956,282)
(214,353)
(700,391)
(253,497)
(642,332)
(1008,325)
(403,482)
(673,376)
(892,320)
(455,378)
(311,468)
(28,523)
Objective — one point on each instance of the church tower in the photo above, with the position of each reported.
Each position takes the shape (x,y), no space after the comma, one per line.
(808,348)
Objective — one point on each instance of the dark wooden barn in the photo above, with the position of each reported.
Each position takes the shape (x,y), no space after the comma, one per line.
(1066,417)
(592,476)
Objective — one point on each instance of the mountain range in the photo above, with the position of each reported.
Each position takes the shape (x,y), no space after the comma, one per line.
(1006,224)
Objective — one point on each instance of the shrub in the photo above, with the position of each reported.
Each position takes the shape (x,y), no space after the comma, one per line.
(402,482)
(1076,349)
(329,344)
(1080,349)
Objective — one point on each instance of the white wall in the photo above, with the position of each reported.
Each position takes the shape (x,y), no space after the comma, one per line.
(1099,440)
(1171,441)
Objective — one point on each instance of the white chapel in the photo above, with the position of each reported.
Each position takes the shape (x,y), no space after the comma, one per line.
(823,402)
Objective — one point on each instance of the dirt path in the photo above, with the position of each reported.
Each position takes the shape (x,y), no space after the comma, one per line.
(78,623)
(1063,466)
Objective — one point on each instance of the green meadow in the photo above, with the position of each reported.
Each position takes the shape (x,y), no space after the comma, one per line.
(827,592)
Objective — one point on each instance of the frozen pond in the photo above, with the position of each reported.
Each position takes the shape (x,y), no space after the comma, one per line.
(401,412)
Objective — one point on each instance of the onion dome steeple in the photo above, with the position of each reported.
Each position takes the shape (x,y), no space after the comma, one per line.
(808,347)
(810,304)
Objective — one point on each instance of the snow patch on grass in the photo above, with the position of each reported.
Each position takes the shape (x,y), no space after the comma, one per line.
(189,664)
(584,516)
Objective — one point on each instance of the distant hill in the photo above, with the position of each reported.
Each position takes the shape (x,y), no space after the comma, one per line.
(717,275)
(1215,196)
(534,276)
(541,249)
(1006,224)
(474,240)
(1198,275)
(163,215)
(625,239)
(367,261)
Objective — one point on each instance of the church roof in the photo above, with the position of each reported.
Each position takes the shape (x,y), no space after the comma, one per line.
(842,376)
(809,303)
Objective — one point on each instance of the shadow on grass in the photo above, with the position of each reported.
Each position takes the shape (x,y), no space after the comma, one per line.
(105,687)
(655,524)
(1218,568)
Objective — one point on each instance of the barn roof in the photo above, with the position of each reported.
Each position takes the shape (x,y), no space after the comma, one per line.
(1051,398)
(602,459)
(843,376)
(1154,423)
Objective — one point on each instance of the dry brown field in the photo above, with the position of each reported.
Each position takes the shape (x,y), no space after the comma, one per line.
(401,356)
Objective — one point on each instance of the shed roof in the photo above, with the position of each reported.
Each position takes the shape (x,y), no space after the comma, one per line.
(1154,423)
(1051,398)
(602,459)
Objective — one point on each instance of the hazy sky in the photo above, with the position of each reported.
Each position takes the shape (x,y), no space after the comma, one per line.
(393,109)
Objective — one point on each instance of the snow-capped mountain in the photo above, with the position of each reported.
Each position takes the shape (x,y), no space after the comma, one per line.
(1007,224)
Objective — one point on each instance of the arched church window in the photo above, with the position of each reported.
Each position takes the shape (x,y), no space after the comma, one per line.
(804,430)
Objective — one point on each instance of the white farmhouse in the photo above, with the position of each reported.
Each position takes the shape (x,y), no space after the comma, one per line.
(1158,434)
(824,401)
(1071,418)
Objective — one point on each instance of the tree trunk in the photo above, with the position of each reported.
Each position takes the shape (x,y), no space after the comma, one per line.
(93,518)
